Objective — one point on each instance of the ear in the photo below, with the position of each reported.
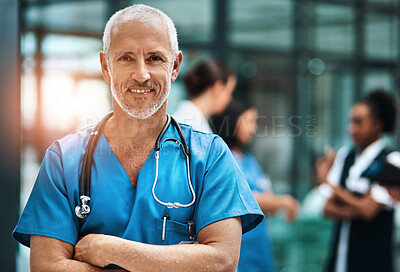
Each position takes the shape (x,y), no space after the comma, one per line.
(104,68)
(218,86)
(177,66)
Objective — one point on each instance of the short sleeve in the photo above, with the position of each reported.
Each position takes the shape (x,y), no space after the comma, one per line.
(257,179)
(225,192)
(47,212)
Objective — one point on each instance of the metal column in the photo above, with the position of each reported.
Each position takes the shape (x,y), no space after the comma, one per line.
(299,108)
(359,58)
(221,46)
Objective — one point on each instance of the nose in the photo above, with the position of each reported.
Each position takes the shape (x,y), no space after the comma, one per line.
(141,72)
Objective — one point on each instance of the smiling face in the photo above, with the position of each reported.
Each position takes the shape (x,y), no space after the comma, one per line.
(140,67)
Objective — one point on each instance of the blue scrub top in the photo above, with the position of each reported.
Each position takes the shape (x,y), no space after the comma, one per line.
(256,253)
(118,209)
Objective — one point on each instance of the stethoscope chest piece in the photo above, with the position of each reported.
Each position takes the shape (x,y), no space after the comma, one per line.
(83,210)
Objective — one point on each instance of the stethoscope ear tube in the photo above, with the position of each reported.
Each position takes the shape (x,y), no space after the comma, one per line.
(157,146)
(85,177)
(183,140)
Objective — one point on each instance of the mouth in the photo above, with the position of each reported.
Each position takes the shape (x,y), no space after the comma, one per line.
(140,91)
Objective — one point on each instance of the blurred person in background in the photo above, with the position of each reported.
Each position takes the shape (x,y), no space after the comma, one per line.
(209,86)
(127,224)
(360,185)
(237,126)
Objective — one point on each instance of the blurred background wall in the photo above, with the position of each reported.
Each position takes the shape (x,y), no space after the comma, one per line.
(9,130)
(303,63)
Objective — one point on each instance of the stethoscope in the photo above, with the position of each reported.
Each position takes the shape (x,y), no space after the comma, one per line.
(83,209)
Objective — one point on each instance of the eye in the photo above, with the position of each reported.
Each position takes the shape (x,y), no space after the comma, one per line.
(356,121)
(155,58)
(125,58)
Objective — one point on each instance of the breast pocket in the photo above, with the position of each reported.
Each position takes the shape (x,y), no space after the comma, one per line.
(170,232)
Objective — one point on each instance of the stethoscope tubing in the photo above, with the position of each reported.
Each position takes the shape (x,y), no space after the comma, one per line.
(83,209)
(175,204)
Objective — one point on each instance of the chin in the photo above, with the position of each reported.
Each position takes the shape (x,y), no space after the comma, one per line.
(140,114)
(359,145)
(356,143)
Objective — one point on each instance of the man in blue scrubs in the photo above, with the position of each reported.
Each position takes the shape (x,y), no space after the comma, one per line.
(127,227)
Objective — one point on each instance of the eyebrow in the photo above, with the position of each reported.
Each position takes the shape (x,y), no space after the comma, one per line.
(156,53)
(125,53)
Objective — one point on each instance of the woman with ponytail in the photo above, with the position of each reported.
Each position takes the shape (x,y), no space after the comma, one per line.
(209,86)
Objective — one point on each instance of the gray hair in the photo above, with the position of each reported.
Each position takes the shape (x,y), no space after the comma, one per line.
(139,13)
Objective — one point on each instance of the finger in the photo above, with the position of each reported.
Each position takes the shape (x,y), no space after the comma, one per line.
(77,257)
(319,161)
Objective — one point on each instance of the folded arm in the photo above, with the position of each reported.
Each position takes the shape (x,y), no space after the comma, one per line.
(218,250)
(336,210)
(344,205)
(50,254)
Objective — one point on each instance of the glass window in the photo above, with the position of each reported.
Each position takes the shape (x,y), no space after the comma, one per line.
(378,78)
(381,36)
(334,29)
(74,16)
(28,44)
(332,99)
(194,20)
(261,23)
(28,99)
(79,55)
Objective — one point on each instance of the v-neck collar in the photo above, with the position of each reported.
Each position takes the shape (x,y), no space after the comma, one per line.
(170,133)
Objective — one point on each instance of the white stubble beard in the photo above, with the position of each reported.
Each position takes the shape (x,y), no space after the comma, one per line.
(134,112)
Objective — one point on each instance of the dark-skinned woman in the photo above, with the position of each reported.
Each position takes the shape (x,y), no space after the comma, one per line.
(361,184)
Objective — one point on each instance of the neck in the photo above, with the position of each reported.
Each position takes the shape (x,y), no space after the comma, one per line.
(204,103)
(237,150)
(123,129)
(360,149)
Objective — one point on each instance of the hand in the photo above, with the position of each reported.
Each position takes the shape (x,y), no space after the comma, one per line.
(364,207)
(323,165)
(90,249)
(369,207)
(394,192)
(291,207)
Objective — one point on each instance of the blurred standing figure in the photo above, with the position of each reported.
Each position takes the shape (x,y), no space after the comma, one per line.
(237,126)
(209,86)
(358,183)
